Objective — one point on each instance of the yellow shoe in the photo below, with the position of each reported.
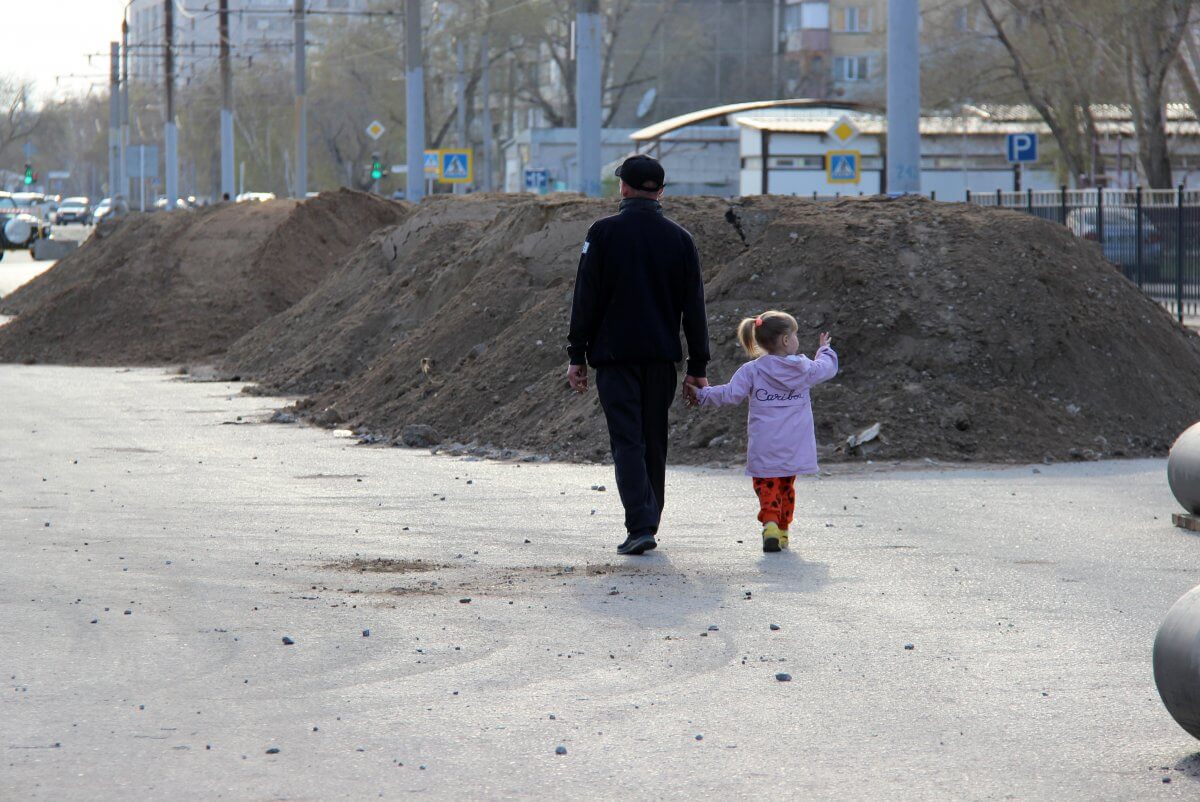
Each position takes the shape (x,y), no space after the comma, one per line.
(771,536)
(783,538)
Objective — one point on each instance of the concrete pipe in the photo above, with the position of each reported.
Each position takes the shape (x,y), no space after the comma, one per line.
(1177,661)
(1183,469)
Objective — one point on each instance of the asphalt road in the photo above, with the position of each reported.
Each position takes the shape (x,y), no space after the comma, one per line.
(17,267)
(157,548)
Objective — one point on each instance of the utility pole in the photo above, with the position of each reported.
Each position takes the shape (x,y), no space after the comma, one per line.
(776,13)
(114,119)
(460,96)
(226,102)
(301,109)
(170,135)
(125,188)
(486,90)
(460,91)
(903,98)
(587,95)
(414,80)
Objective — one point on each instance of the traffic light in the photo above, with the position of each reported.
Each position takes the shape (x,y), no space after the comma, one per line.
(376,168)
(28,174)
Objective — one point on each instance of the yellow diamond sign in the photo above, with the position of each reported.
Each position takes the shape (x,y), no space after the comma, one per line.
(843,130)
(375,129)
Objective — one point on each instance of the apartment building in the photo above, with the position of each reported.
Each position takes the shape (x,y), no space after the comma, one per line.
(258,28)
(836,48)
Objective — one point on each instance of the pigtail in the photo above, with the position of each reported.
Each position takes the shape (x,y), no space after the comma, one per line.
(745,335)
(756,334)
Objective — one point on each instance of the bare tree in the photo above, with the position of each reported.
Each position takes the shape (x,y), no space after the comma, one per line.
(1186,67)
(548,74)
(1057,66)
(1152,33)
(17,120)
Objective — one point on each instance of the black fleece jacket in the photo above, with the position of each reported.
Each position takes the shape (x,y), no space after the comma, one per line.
(639,278)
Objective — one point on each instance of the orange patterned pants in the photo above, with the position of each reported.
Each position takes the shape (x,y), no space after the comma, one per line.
(776,499)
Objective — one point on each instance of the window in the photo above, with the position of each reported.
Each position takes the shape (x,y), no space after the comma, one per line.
(791,18)
(970,20)
(851,68)
(814,16)
(854,19)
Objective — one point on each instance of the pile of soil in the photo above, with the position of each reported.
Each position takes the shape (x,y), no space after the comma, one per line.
(164,288)
(967,333)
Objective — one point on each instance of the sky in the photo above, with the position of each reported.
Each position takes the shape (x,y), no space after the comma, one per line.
(45,39)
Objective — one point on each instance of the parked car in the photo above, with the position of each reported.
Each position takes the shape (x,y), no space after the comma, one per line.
(1120,234)
(18,228)
(73,210)
(35,202)
(255,197)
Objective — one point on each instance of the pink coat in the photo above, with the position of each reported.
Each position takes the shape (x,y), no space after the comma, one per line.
(780,423)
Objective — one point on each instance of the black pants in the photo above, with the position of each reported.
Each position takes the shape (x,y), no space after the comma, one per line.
(635,399)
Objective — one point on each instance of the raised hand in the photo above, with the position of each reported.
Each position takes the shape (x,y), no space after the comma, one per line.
(824,339)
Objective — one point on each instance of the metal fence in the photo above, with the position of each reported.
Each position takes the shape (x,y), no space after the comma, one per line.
(1152,235)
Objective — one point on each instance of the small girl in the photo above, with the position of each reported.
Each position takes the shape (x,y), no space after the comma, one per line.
(782,442)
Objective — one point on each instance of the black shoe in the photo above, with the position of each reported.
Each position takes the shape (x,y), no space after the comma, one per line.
(638,544)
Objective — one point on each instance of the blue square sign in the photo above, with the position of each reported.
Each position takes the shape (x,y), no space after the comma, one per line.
(537,180)
(456,166)
(843,166)
(1021,148)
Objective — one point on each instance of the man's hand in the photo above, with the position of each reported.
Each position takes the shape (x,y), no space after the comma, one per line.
(577,378)
(693,383)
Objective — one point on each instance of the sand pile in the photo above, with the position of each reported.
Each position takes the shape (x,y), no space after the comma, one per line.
(966,333)
(159,288)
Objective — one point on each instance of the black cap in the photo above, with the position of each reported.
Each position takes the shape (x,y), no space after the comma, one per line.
(642,172)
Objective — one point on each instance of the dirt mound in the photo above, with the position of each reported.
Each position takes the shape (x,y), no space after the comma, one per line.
(158,288)
(388,287)
(967,333)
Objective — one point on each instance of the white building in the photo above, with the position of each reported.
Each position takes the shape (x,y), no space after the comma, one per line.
(554,151)
(789,147)
(701,151)
(799,154)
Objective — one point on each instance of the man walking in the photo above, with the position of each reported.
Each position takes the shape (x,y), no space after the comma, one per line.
(639,279)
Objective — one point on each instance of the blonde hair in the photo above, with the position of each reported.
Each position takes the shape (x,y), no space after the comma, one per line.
(758,334)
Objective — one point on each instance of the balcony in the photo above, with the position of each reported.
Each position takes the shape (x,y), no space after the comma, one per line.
(807,41)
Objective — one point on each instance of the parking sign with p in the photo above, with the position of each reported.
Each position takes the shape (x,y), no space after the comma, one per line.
(1021,148)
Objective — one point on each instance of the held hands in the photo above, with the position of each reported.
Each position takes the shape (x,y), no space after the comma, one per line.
(577,378)
(824,340)
(690,385)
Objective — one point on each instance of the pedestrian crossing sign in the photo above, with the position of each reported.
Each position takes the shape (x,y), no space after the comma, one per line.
(843,166)
(456,167)
(433,164)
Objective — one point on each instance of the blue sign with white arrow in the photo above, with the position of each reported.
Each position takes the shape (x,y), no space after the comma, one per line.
(537,180)
(1021,148)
